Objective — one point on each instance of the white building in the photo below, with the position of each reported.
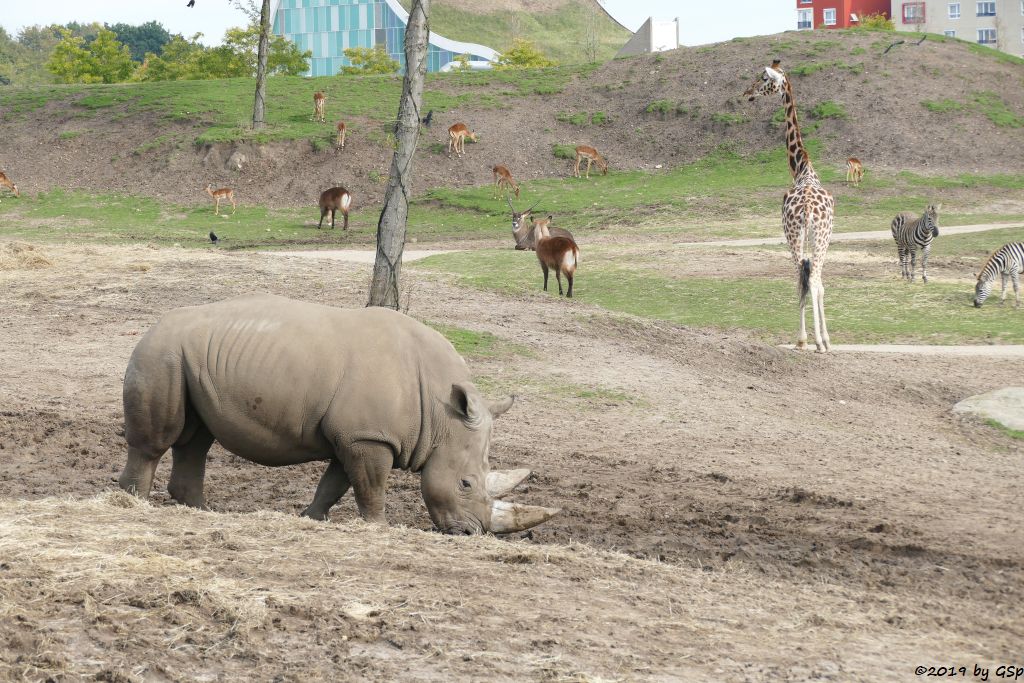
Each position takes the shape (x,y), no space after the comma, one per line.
(996,23)
(656,35)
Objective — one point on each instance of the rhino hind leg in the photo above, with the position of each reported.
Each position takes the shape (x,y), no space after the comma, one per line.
(189,467)
(333,485)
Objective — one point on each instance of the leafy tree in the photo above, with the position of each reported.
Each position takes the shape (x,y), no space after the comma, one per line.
(104,60)
(523,55)
(187,59)
(284,56)
(148,38)
(367,60)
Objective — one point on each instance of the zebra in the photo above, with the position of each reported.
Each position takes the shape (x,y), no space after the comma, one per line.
(1007,260)
(912,233)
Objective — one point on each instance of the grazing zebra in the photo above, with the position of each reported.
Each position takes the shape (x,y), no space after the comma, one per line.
(1007,260)
(912,233)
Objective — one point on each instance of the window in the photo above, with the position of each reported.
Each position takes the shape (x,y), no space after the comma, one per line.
(804,19)
(986,9)
(830,17)
(913,13)
(987,36)
(807,2)
(954,10)
(949,34)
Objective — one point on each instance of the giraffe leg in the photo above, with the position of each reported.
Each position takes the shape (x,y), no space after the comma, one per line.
(924,263)
(821,313)
(801,337)
(816,314)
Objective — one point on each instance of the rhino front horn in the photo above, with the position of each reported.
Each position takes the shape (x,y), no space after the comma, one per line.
(501,482)
(508,518)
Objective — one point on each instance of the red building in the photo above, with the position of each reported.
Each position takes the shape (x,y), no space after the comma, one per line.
(837,13)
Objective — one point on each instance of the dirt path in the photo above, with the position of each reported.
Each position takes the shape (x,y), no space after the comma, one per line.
(357,255)
(978,350)
(865,236)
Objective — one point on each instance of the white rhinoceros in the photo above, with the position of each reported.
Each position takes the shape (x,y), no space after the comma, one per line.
(282,382)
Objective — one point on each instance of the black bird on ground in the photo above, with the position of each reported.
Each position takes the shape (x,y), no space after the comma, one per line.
(191,3)
(428,118)
(214,238)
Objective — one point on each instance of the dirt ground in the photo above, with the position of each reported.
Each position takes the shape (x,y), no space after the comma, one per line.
(732,511)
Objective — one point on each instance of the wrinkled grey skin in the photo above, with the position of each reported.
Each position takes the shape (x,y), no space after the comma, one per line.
(282,382)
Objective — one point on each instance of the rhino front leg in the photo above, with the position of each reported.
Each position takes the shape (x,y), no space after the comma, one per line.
(189,468)
(333,485)
(367,465)
(137,476)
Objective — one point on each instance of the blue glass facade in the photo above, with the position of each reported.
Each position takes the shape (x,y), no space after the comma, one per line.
(328,27)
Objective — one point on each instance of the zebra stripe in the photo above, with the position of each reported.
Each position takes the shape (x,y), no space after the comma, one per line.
(1007,261)
(912,233)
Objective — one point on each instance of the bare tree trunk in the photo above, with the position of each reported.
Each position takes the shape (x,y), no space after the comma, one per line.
(391,227)
(259,106)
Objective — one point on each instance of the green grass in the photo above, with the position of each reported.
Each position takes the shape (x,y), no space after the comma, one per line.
(223,108)
(828,110)
(478,344)
(1012,433)
(975,245)
(860,310)
(729,119)
(578,119)
(942,106)
(992,105)
(69,135)
(563,151)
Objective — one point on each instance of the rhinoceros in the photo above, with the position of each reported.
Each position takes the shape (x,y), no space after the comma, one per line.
(281,382)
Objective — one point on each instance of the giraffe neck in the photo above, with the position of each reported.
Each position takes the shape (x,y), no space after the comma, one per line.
(799,161)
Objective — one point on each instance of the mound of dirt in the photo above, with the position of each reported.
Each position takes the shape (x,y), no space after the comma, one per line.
(931,108)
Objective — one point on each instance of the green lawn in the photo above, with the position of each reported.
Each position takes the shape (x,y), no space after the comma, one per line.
(859,310)
(976,244)
(224,106)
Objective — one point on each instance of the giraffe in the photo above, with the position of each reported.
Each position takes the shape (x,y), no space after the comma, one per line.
(808,209)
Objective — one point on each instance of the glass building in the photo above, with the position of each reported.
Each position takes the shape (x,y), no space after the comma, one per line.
(328,27)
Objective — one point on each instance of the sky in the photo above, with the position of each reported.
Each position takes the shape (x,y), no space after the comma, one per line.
(700,21)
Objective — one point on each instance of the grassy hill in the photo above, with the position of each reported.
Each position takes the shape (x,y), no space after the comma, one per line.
(568,31)
(944,108)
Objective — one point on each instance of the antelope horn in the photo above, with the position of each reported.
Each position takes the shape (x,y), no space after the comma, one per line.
(508,518)
(501,482)
(531,208)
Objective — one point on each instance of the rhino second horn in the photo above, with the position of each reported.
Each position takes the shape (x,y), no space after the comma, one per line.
(501,482)
(508,518)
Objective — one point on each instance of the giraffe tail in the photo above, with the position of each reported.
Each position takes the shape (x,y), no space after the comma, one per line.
(805,278)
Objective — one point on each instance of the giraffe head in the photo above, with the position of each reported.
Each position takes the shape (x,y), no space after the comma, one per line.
(769,82)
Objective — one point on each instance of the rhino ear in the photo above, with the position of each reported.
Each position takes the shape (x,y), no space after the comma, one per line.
(499,408)
(465,405)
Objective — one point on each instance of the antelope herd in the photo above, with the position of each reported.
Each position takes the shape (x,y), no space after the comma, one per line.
(556,248)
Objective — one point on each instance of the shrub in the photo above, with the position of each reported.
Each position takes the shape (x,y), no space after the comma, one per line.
(877,22)
(662,107)
(367,60)
(523,55)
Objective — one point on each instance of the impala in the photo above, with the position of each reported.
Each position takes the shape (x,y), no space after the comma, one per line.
(225,193)
(318,106)
(854,171)
(340,142)
(457,135)
(592,157)
(560,253)
(524,229)
(6,182)
(503,181)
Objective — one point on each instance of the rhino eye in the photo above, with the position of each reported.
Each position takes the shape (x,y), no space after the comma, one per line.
(465,484)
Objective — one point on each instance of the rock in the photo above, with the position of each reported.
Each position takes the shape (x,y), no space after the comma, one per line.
(236,161)
(1005,406)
